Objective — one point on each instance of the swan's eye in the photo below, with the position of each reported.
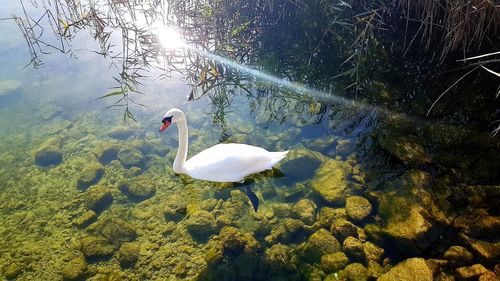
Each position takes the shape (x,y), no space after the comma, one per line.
(169,119)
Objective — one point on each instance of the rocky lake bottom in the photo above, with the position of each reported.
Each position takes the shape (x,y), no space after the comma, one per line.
(81,200)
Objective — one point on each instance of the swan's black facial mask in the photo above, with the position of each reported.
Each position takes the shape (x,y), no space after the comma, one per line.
(166,122)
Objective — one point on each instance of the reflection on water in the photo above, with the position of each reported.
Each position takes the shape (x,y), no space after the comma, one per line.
(84,195)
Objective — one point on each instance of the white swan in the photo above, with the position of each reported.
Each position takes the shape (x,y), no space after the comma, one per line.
(229,162)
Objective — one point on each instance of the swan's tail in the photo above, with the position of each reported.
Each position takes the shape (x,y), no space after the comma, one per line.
(277,156)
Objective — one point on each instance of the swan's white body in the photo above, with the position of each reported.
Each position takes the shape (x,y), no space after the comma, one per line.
(230,162)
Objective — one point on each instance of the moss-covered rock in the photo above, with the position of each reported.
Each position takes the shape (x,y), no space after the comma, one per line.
(230,241)
(117,230)
(318,244)
(130,157)
(139,188)
(74,269)
(471,272)
(330,181)
(107,152)
(327,215)
(413,269)
(96,247)
(458,256)
(201,224)
(279,257)
(353,248)
(404,205)
(48,156)
(374,269)
(282,210)
(343,228)
(406,148)
(372,252)
(356,272)
(13,270)
(97,198)
(485,227)
(128,254)
(305,210)
(333,262)
(85,219)
(121,133)
(488,250)
(357,207)
(174,208)
(90,175)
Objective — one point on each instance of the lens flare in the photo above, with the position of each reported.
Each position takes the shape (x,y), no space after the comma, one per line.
(169,37)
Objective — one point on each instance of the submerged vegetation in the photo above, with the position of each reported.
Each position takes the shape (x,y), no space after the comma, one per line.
(380,191)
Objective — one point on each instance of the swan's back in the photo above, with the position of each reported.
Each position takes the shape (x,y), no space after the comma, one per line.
(231,162)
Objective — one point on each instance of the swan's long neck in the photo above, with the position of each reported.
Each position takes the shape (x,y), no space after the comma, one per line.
(180,158)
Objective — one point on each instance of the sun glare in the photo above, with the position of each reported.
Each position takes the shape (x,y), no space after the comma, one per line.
(169,37)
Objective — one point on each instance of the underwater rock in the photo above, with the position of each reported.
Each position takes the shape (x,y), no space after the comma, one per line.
(121,133)
(484,227)
(372,252)
(353,248)
(117,230)
(90,175)
(279,257)
(107,152)
(8,87)
(333,262)
(49,111)
(488,276)
(282,210)
(413,269)
(318,244)
(312,273)
(374,269)
(201,224)
(470,272)
(75,269)
(13,270)
(97,198)
(128,254)
(406,148)
(175,208)
(139,188)
(96,247)
(305,210)
(48,155)
(327,215)
(285,231)
(404,205)
(235,240)
(356,272)
(486,249)
(357,207)
(130,157)
(230,241)
(330,181)
(208,204)
(458,255)
(85,219)
(343,228)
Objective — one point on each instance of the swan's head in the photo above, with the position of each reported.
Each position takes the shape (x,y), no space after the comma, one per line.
(172,116)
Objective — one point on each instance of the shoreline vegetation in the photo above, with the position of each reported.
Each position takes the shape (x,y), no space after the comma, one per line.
(446,48)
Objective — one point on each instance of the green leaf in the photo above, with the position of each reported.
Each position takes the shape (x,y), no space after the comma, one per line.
(239,29)
(115,93)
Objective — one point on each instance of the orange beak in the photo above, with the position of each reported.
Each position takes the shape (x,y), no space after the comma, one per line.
(164,126)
